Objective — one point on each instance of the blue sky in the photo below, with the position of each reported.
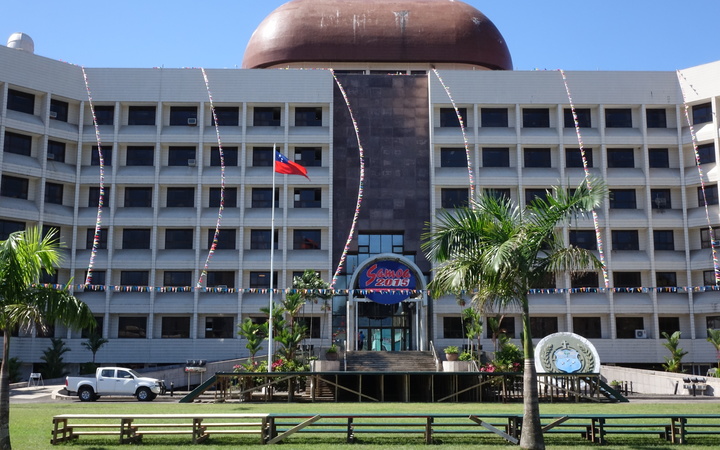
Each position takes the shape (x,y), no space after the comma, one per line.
(578,35)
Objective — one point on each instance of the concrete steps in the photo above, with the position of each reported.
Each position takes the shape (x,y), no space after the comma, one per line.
(408,361)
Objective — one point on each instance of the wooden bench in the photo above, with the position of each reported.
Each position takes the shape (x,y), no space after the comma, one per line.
(130,428)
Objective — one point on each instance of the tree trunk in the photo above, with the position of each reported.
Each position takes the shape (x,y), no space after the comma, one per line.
(531,437)
(5,394)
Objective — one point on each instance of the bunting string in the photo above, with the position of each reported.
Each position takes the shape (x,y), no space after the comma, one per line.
(101,196)
(682,81)
(468,156)
(361,188)
(214,244)
(596,222)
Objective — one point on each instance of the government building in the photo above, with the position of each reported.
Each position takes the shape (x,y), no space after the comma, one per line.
(176,154)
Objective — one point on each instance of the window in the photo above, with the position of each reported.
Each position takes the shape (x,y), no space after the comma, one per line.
(494,157)
(179,156)
(141,115)
(104,114)
(626,326)
(706,153)
(573,157)
(584,239)
(311,324)
(584,280)
(19,144)
(262,157)
(175,327)
(9,226)
(134,277)
(537,157)
(709,277)
(705,241)
(132,327)
(453,328)
(500,194)
(656,118)
(226,239)
(453,157)
(306,239)
(507,327)
(140,156)
(307,198)
(56,151)
(449,118)
(227,116)
(543,326)
(536,117)
(14,187)
(230,195)
(97,278)
(262,198)
(54,193)
(308,117)
(668,325)
(622,199)
(658,158)
(219,327)
(230,155)
(618,118)
(21,101)
(620,157)
(177,278)
(95,156)
(587,327)
(220,278)
(138,197)
(711,195)
(59,110)
(266,116)
(627,279)
(664,239)
(453,198)
(494,117)
(583,118)
(179,238)
(625,240)
(713,322)
(665,279)
(532,194)
(262,280)
(136,238)
(183,115)
(308,156)
(90,238)
(702,113)
(373,244)
(87,332)
(180,197)
(260,240)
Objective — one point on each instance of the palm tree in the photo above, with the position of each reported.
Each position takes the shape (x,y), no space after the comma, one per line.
(24,256)
(312,288)
(674,362)
(94,343)
(714,339)
(495,251)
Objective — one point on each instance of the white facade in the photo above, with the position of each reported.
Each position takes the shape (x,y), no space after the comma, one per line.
(167,90)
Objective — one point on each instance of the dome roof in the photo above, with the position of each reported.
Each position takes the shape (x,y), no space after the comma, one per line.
(392,31)
(21,41)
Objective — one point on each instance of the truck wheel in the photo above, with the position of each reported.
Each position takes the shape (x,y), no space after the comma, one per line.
(144,394)
(86,394)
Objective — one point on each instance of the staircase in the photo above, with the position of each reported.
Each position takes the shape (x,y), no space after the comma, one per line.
(364,361)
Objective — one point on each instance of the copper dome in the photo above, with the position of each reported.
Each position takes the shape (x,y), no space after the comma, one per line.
(384,31)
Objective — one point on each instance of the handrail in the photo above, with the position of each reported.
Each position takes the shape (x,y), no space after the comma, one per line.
(438,364)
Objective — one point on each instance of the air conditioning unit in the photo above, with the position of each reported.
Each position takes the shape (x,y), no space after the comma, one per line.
(192,121)
(640,334)
(191,162)
(51,156)
(53,114)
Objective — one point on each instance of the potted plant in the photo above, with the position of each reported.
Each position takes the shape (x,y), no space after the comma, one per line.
(465,356)
(331,354)
(451,353)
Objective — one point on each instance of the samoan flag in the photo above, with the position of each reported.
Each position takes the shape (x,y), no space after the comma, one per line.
(284,165)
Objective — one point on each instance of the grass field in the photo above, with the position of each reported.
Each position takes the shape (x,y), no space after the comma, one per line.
(31,424)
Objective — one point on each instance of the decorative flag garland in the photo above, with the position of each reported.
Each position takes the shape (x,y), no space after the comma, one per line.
(716,266)
(596,222)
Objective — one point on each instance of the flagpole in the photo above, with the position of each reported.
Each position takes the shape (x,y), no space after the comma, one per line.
(272,254)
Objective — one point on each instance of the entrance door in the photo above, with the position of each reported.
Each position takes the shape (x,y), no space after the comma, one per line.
(384,327)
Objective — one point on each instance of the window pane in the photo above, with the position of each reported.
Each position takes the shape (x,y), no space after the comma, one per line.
(227,239)
(625,240)
(56,151)
(584,239)
(134,277)
(536,117)
(136,238)
(664,239)
(626,326)
(227,116)
(132,327)
(658,158)
(180,197)
(453,198)
(588,327)
(306,239)
(583,118)
(573,157)
(19,144)
(266,116)
(660,199)
(656,118)
(183,115)
(175,327)
(141,115)
(138,197)
(106,153)
(702,113)
(104,114)
(14,187)
(219,327)
(230,195)
(218,278)
(308,156)
(307,198)
(618,118)
(140,156)
(627,279)
(622,199)
(621,157)
(181,238)
(537,157)
(59,110)
(177,278)
(21,101)
(449,118)
(262,157)
(706,153)
(495,157)
(179,156)
(494,117)
(260,240)
(308,117)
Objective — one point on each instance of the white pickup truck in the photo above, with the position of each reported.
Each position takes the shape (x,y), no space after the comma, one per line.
(115,381)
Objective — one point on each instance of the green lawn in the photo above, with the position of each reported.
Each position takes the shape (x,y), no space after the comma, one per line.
(31,424)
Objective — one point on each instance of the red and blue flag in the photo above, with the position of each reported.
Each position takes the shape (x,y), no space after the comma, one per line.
(285,166)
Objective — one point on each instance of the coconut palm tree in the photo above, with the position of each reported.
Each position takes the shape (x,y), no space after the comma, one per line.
(94,343)
(495,251)
(24,257)
(714,339)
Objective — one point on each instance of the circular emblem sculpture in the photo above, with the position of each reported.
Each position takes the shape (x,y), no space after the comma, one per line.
(566,353)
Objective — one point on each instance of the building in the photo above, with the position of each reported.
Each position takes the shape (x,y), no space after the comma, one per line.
(163,174)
